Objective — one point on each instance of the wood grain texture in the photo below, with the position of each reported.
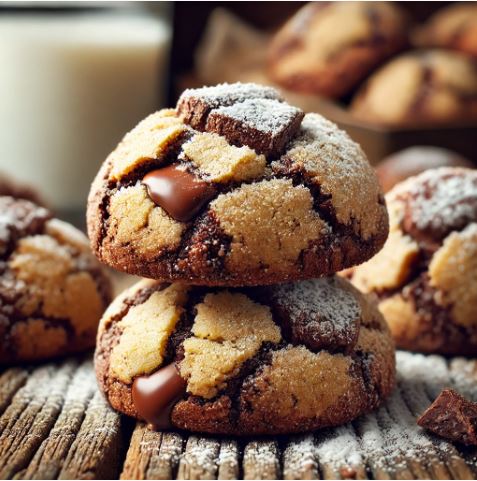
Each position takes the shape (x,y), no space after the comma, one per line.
(54,424)
(11,381)
(152,455)
(96,450)
(50,457)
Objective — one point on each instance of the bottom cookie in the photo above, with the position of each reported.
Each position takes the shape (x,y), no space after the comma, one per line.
(265,360)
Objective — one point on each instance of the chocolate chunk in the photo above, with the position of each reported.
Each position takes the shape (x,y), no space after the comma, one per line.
(180,193)
(264,125)
(194,105)
(452,417)
(438,202)
(321,314)
(154,396)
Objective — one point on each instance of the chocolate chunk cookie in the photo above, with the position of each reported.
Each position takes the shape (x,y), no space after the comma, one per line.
(420,88)
(453,27)
(426,275)
(412,161)
(327,48)
(263,360)
(235,187)
(52,290)
(9,187)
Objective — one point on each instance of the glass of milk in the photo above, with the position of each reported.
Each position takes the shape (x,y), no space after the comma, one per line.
(72,82)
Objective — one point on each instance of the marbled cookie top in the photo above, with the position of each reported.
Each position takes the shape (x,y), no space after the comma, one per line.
(234,187)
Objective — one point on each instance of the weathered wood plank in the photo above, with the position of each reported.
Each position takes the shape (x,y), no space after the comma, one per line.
(152,455)
(199,461)
(229,460)
(49,459)
(11,380)
(371,437)
(426,376)
(56,424)
(299,458)
(339,454)
(31,415)
(96,450)
(261,460)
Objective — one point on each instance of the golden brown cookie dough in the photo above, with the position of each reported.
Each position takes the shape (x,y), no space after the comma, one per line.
(176,201)
(52,290)
(428,87)
(263,360)
(327,48)
(425,277)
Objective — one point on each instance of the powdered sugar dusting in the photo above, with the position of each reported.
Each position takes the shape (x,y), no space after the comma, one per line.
(337,164)
(324,302)
(442,199)
(227,94)
(265,115)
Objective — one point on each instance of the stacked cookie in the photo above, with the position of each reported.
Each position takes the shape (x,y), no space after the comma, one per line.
(236,205)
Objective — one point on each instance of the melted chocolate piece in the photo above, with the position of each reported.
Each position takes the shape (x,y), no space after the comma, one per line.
(452,417)
(180,193)
(154,396)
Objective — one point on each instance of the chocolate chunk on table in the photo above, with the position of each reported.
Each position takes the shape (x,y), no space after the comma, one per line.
(194,105)
(264,125)
(453,417)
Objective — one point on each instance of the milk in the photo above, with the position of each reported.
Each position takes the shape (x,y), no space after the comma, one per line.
(71,84)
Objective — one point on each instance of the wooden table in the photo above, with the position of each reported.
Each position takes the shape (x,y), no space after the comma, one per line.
(55,424)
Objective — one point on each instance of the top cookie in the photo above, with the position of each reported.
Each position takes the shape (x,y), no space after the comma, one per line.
(235,187)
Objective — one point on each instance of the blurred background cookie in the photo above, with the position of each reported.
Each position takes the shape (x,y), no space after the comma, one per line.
(412,161)
(425,87)
(454,27)
(328,47)
(425,277)
(279,359)
(52,290)
(9,187)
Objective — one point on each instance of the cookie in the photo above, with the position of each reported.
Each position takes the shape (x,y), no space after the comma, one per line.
(235,187)
(452,27)
(420,88)
(412,161)
(52,290)
(327,48)
(264,360)
(9,187)
(426,275)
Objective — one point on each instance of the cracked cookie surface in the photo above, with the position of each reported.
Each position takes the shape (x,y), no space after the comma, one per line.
(426,275)
(52,290)
(235,187)
(261,360)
